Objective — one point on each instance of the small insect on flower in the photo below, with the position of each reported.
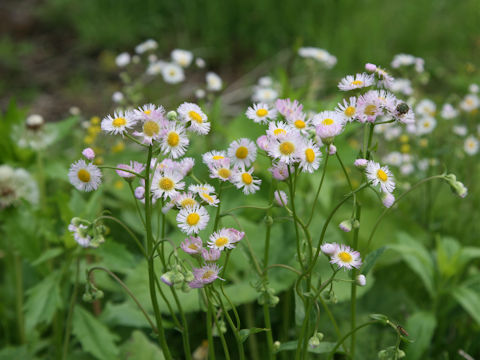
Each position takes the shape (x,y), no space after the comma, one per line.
(220,169)
(205,275)
(119,123)
(244,180)
(85,177)
(174,141)
(310,156)
(242,152)
(380,175)
(358,81)
(222,239)
(345,257)
(261,113)
(192,219)
(194,117)
(166,184)
(192,245)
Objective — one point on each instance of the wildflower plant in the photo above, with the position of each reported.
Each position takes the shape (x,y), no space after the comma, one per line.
(295,147)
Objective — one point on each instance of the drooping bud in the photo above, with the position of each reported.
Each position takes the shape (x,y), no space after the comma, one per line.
(361,280)
(172,115)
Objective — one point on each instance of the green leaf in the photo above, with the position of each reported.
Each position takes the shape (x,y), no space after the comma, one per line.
(470,301)
(124,314)
(245,333)
(371,259)
(139,347)
(94,336)
(417,258)
(379,317)
(421,327)
(43,300)
(299,310)
(47,255)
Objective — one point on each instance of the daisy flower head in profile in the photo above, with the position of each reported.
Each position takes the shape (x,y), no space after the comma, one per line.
(211,254)
(192,219)
(384,78)
(119,123)
(80,234)
(85,176)
(329,248)
(328,125)
(205,275)
(134,167)
(149,111)
(192,245)
(221,169)
(209,198)
(182,57)
(242,152)
(206,188)
(236,235)
(244,180)
(380,175)
(193,117)
(221,240)
(174,142)
(261,113)
(286,148)
(172,73)
(358,81)
(279,170)
(310,156)
(186,165)
(213,156)
(281,198)
(348,108)
(287,107)
(346,258)
(166,184)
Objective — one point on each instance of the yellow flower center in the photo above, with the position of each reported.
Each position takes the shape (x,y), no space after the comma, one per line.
(173,139)
(370,110)
(405,148)
(221,241)
(218,157)
(207,197)
(286,148)
(166,184)
(426,124)
(83,175)
(382,175)
(224,173)
(188,202)
(279,131)
(404,138)
(195,116)
(193,219)
(327,121)
(120,121)
(262,112)
(207,274)
(357,82)
(310,155)
(147,112)
(349,111)
(299,124)
(247,178)
(150,128)
(241,152)
(172,72)
(345,257)
(193,247)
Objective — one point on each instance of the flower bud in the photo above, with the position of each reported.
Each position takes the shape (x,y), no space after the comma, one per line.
(329,248)
(281,198)
(388,199)
(276,346)
(167,278)
(346,225)
(332,150)
(361,280)
(89,153)
(268,220)
(370,67)
(172,115)
(140,192)
(360,163)
(87,297)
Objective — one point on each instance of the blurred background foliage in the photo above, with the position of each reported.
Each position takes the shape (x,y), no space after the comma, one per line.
(53,47)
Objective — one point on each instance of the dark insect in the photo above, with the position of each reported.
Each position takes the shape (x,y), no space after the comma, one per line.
(402,108)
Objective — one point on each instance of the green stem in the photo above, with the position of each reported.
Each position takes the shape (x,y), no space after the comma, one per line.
(220,333)
(318,189)
(73,300)
(125,170)
(211,347)
(17,263)
(151,270)
(340,342)
(353,291)
(136,203)
(332,320)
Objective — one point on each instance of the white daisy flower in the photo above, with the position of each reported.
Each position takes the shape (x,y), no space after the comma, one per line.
(156,67)
(402,86)
(470,103)
(460,130)
(380,175)
(212,156)
(278,129)
(172,73)
(85,177)
(209,198)
(471,145)
(192,219)
(174,141)
(348,109)
(328,125)
(242,152)
(287,148)
(261,113)
(300,122)
(426,107)
(193,115)
(310,156)
(122,59)
(220,169)
(145,46)
(358,81)
(214,82)
(166,184)
(182,57)
(202,188)
(118,123)
(221,239)
(426,125)
(80,234)
(244,180)
(320,55)
(394,158)
(151,129)
(185,200)
(346,257)
(448,112)
(265,95)
(148,112)
(369,106)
